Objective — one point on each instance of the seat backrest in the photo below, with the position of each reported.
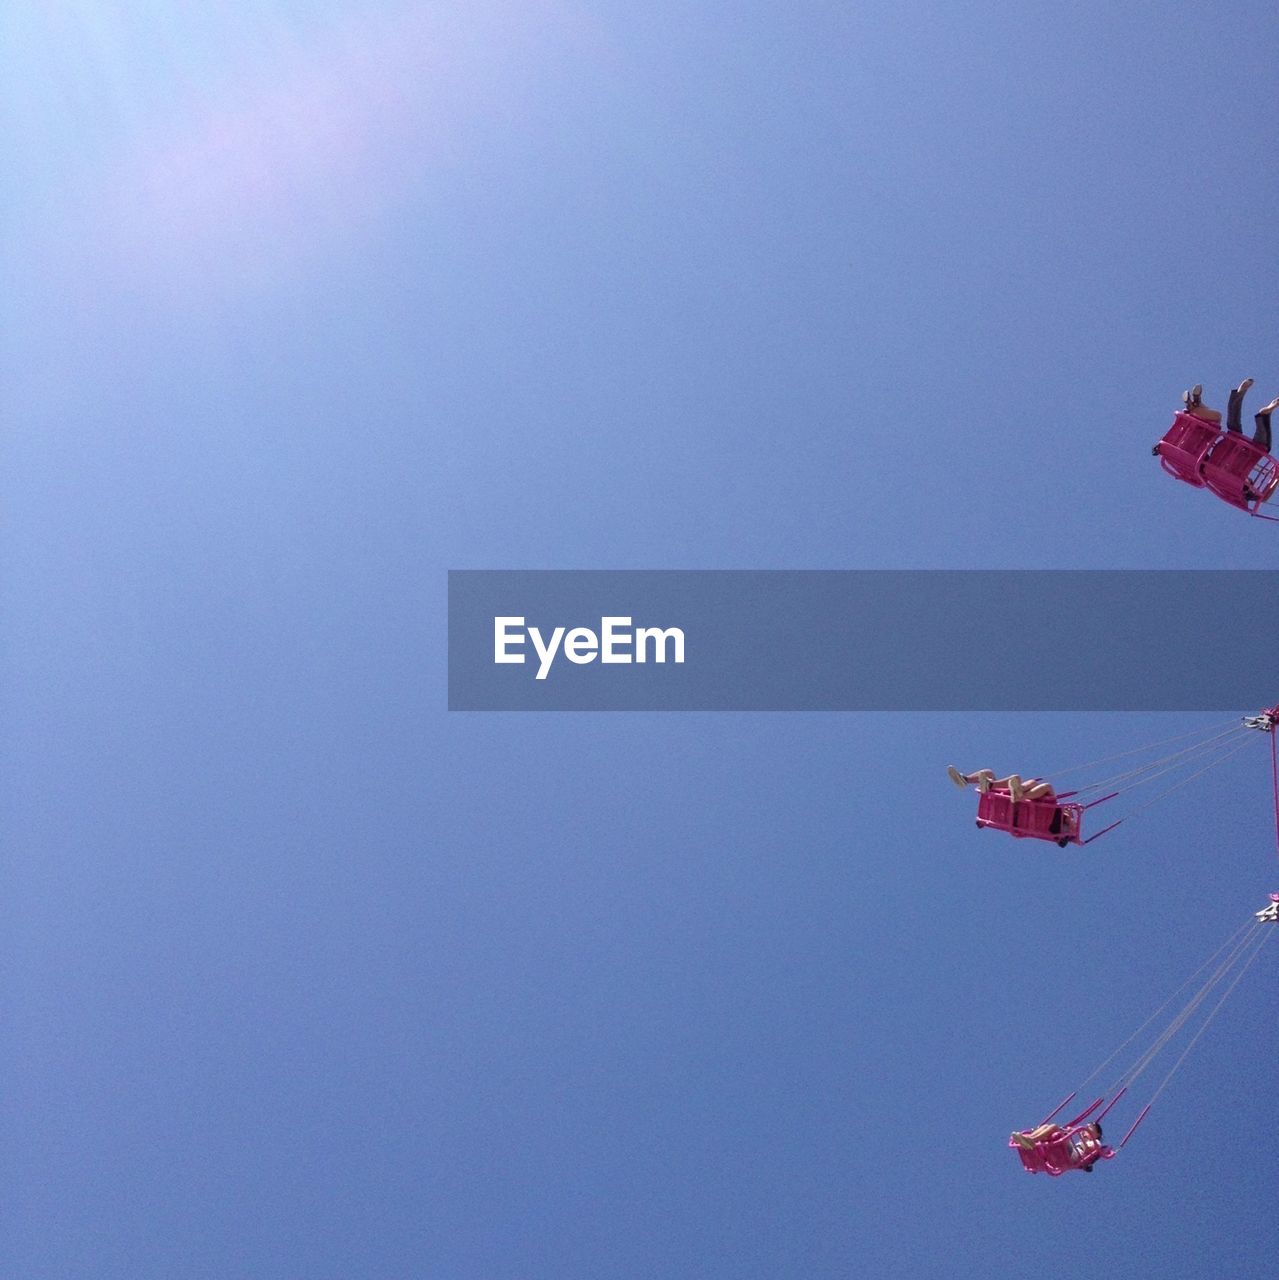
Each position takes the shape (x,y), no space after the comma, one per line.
(1240,472)
(1185,445)
(1031,1161)
(1233,455)
(1045,817)
(1048,819)
(1264,477)
(995,807)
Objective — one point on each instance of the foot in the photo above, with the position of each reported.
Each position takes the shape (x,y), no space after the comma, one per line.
(956,777)
(1023,1140)
(1243,386)
(1271,407)
(1193,396)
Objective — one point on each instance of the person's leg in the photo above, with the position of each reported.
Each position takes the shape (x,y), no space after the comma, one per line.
(1038,791)
(1262,419)
(1234,406)
(982,779)
(1193,400)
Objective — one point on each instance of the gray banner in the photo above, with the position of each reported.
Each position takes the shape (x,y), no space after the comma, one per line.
(915,640)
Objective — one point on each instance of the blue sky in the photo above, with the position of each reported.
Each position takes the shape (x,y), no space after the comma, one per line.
(307,304)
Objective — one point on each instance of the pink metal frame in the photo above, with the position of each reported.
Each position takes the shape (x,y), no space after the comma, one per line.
(1057,1154)
(1184,447)
(1240,472)
(1035,819)
(1226,463)
(1273,712)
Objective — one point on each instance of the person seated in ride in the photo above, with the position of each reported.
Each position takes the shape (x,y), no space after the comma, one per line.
(1018,788)
(1194,405)
(1078,1150)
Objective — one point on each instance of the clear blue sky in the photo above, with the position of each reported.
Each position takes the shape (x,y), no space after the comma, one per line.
(306,304)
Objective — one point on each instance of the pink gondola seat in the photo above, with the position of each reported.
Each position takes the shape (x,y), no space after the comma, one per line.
(1063,1151)
(1031,819)
(1239,472)
(1184,447)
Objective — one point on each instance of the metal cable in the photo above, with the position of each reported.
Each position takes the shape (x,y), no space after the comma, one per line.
(1141,808)
(1172,761)
(1247,924)
(1150,746)
(1215,1010)
(1138,1068)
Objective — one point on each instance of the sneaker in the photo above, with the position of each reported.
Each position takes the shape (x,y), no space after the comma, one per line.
(956,777)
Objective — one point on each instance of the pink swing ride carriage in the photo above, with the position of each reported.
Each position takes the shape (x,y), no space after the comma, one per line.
(1076,1145)
(1205,455)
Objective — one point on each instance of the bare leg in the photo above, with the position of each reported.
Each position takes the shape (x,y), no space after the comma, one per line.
(983,779)
(1195,406)
(1027,1140)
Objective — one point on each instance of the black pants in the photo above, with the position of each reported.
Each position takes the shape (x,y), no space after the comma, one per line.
(1234,410)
